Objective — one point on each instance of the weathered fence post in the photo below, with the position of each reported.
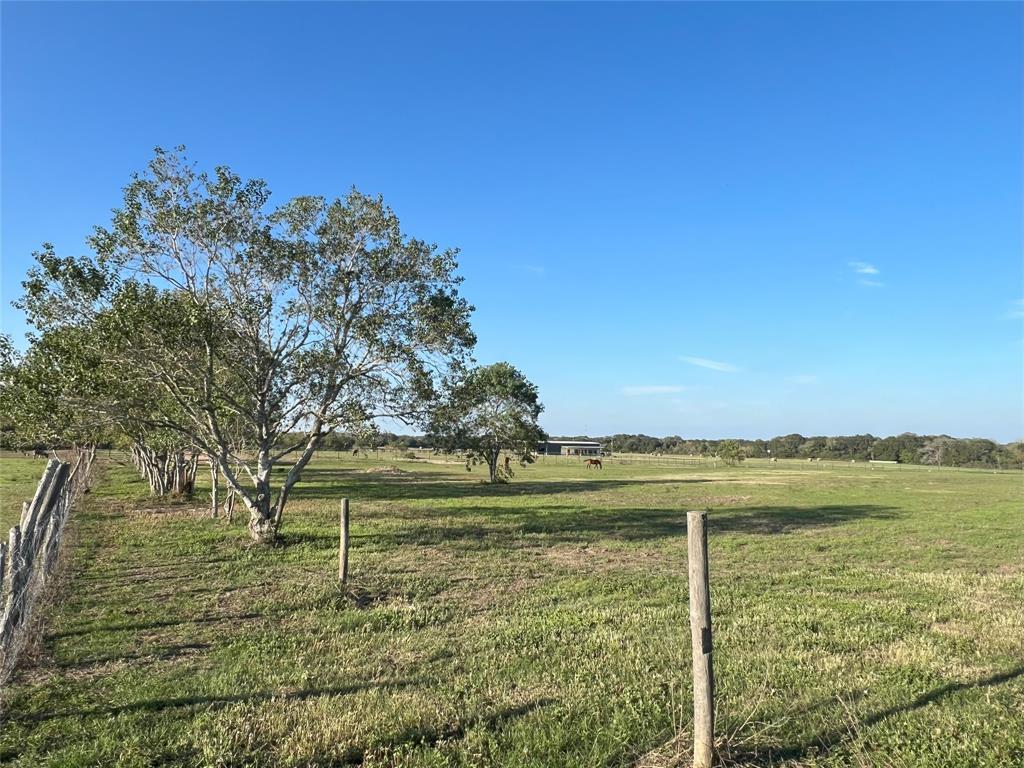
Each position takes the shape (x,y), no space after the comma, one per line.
(31,512)
(343,544)
(12,609)
(3,572)
(700,636)
(28,558)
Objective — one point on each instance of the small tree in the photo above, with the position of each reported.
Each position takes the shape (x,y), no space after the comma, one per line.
(730,452)
(494,409)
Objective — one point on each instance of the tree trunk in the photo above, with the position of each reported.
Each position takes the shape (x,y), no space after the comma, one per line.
(214,488)
(265,516)
(294,474)
(231,506)
(88,458)
(191,467)
(492,466)
(171,472)
(153,466)
(261,515)
(262,523)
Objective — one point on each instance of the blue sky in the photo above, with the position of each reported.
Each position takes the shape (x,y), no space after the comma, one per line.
(700,219)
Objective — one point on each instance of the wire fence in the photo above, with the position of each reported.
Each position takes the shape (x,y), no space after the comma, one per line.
(28,558)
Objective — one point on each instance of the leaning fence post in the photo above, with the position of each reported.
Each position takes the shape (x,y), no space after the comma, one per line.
(16,582)
(44,484)
(31,512)
(39,515)
(3,572)
(343,543)
(700,636)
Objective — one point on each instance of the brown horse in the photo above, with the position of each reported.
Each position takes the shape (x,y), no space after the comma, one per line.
(594,463)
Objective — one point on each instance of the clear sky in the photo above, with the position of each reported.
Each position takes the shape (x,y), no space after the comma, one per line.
(710,220)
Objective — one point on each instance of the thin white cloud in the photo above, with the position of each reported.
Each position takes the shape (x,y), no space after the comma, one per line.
(1016,310)
(652,389)
(714,365)
(531,268)
(803,378)
(863,268)
(871,283)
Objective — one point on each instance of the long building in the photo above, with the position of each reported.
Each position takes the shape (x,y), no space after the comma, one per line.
(569,448)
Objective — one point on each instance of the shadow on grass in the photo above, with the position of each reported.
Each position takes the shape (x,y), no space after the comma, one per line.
(491,527)
(160,654)
(181,569)
(153,625)
(212,702)
(433,737)
(412,485)
(829,740)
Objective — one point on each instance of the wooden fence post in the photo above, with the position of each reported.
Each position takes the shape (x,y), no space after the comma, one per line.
(343,544)
(700,636)
(42,505)
(3,571)
(16,581)
(31,511)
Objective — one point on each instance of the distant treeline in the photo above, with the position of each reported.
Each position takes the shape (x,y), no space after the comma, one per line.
(908,448)
(343,441)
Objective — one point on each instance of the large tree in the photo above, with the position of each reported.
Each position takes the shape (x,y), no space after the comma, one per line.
(262,329)
(492,410)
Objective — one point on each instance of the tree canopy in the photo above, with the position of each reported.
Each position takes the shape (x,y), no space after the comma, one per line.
(492,410)
(249,331)
(730,452)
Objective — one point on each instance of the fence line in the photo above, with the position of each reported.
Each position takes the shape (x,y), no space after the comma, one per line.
(29,556)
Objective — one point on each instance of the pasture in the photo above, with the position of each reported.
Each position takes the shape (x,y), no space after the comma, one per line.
(19,477)
(866,618)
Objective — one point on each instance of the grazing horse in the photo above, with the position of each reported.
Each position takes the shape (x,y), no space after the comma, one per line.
(594,463)
(38,453)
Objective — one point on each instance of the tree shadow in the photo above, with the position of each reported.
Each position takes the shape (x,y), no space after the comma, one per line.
(431,737)
(552,525)
(165,653)
(153,625)
(172,571)
(210,703)
(412,485)
(829,740)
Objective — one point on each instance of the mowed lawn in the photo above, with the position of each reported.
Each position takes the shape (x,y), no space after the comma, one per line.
(867,618)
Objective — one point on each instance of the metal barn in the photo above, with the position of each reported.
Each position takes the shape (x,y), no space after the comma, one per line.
(569,448)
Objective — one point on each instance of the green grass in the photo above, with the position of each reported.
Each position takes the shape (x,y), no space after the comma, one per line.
(861,618)
(19,478)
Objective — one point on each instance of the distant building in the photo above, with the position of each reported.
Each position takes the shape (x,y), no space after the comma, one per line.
(569,448)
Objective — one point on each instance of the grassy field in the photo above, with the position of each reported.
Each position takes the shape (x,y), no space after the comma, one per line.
(18,480)
(864,618)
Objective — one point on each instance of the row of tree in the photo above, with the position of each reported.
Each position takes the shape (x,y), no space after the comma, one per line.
(207,325)
(907,448)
